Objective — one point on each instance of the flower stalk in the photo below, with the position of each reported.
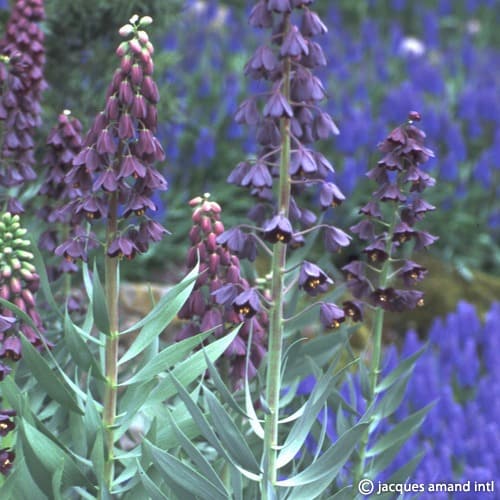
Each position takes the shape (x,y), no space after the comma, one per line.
(111,347)
(273,384)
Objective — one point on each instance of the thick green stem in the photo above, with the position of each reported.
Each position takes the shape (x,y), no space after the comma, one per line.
(378,326)
(111,348)
(275,347)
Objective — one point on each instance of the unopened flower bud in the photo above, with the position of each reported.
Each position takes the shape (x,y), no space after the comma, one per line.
(206,224)
(143,36)
(145,21)
(135,46)
(122,49)
(126,30)
(15,285)
(16,264)
(218,227)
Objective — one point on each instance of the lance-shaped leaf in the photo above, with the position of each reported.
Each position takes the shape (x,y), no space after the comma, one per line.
(329,463)
(191,368)
(206,428)
(303,424)
(79,350)
(160,316)
(48,379)
(183,475)
(151,488)
(44,280)
(400,433)
(99,304)
(402,370)
(196,456)
(167,358)
(44,454)
(230,436)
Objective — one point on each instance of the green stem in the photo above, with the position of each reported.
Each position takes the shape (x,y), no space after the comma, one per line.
(111,348)
(275,347)
(378,326)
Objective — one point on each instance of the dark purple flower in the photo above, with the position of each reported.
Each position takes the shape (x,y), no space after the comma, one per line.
(6,323)
(121,246)
(411,272)
(294,44)
(383,297)
(390,192)
(354,270)
(234,239)
(11,348)
(257,176)
(353,309)
(423,239)
(371,209)
(331,315)
(6,422)
(278,229)
(260,16)
(335,239)
(377,251)
(402,233)
(312,279)
(277,106)
(225,294)
(311,24)
(364,229)
(330,195)
(247,303)
(6,460)
(302,162)
(4,371)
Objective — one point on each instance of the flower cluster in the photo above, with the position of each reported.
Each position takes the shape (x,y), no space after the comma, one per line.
(289,120)
(221,297)
(18,284)
(21,81)
(63,145)
(389,225)
(114,171)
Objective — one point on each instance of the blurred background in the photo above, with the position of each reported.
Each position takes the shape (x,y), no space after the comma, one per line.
(440,57)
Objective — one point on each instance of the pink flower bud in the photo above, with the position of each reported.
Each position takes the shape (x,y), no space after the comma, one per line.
(206,224)
(126,64)
(135,46)
(218,227)
(126,30)
(211,242)
(15,285)
(122,49)
(194,235)
(5,292)
(125,93)
(19,302)
(195,201)
(136,74)
(213,263)
(150,90)
(143,37)
(28,298)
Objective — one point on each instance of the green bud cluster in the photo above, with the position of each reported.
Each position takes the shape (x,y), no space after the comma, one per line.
(19,282)
(15,258)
